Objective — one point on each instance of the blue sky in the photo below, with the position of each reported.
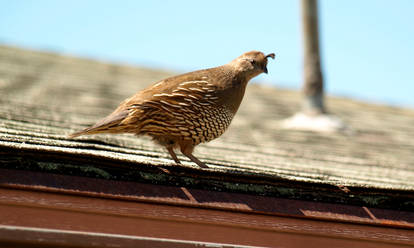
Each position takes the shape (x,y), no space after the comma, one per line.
(367,46)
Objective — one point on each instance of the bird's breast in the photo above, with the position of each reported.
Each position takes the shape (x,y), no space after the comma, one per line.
(209,123)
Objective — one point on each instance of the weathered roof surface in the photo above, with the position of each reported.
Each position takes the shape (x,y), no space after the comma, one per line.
(46,96)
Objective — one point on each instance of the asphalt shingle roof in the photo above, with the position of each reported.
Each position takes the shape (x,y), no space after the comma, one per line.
(46,96)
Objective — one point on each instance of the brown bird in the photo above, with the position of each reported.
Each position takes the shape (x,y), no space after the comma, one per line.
(186,110)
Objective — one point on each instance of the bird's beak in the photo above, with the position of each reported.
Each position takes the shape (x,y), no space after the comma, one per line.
(265,69)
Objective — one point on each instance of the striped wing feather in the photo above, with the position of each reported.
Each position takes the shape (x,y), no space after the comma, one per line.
(191,111)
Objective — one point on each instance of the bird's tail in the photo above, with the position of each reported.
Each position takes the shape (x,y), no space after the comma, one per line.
(110,124)
(86,131)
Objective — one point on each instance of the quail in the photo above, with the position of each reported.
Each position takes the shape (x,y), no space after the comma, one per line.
(185,110)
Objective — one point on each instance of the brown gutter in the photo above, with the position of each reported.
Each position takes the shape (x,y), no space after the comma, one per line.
(41,200)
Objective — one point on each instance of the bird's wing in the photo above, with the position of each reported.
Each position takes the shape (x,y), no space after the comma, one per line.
(187,105)
(185,98)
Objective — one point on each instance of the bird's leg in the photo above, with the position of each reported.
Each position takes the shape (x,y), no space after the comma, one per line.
(196,160)
(173,155)
(188,152)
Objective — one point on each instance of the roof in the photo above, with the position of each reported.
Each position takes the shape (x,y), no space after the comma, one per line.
(46,96)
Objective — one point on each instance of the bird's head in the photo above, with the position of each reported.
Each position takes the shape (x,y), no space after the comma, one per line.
(252,63)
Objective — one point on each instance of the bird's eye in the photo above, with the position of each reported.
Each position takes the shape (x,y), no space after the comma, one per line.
(252,61)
